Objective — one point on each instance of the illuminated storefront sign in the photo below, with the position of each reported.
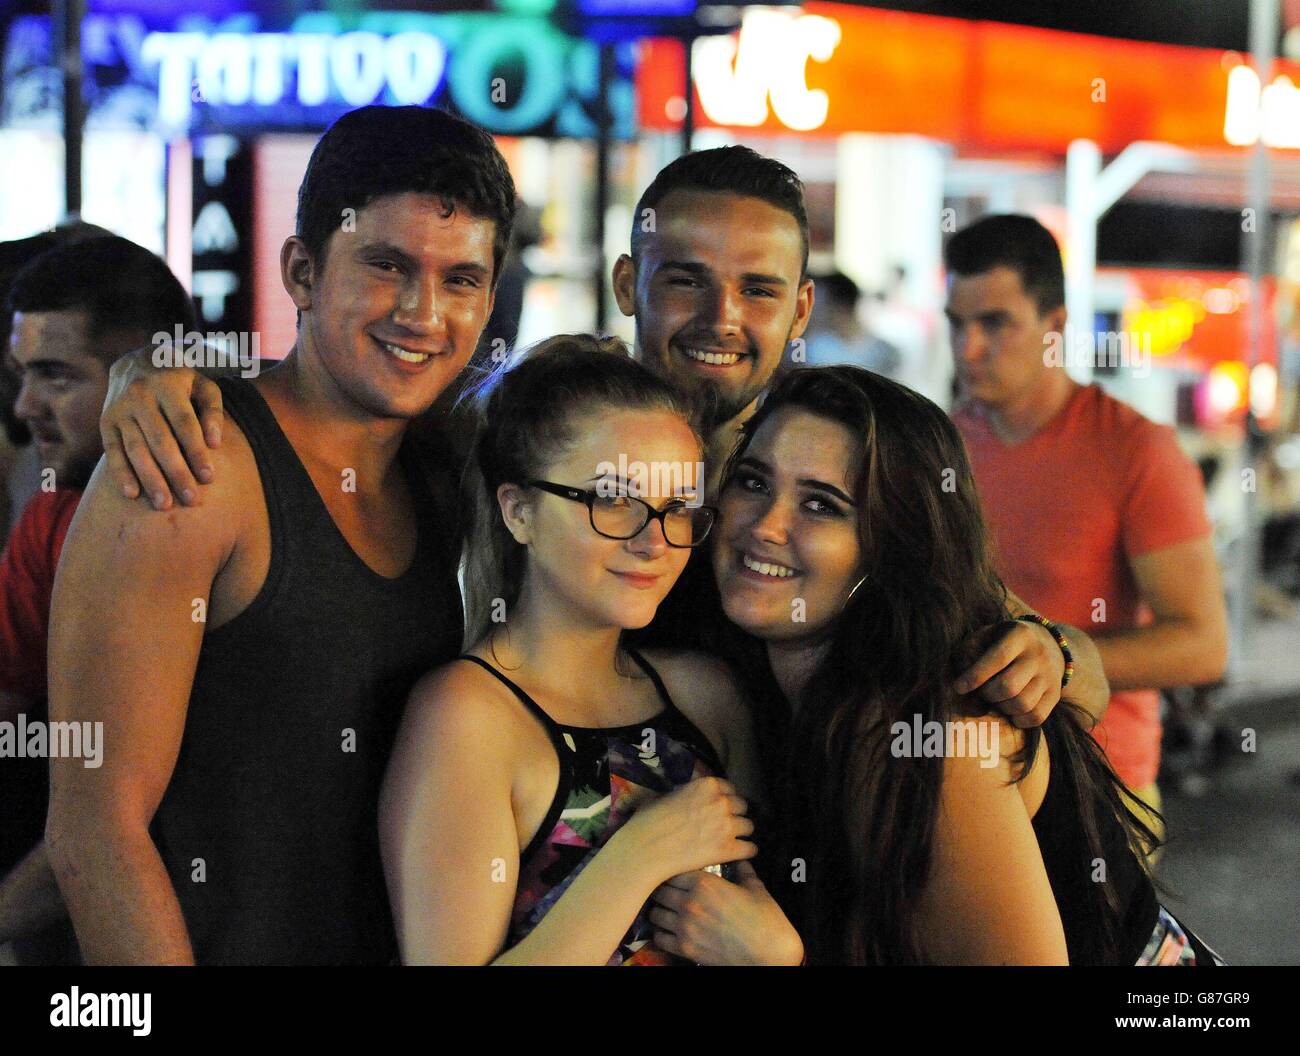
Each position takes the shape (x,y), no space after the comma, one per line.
(1273,112)
(239,69)
(510,74)
(829,68)
(221,210)
(766,61)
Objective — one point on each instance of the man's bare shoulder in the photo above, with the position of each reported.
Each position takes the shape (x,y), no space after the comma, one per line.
(134,524)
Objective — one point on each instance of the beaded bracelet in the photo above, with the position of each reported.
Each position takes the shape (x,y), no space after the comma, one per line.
(1055,632)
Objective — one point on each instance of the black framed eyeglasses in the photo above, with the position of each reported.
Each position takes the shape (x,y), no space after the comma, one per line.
(622,516)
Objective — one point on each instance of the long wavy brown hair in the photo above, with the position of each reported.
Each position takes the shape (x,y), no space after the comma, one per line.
(862,818)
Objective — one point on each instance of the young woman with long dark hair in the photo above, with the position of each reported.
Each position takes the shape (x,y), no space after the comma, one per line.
(916,827)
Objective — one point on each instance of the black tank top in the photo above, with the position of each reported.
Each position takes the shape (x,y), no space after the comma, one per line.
(269,826)
(1073,872)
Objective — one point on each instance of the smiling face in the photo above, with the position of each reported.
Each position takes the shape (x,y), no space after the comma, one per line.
(396,310)
(999,336)
(788,529)
(595,580)
(716,293)
(63,387)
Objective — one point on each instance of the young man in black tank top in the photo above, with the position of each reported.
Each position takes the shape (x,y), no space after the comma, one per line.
(248,655)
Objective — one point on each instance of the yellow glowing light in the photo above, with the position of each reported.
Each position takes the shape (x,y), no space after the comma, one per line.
(1263,390)
(1227,386)
(1166,324)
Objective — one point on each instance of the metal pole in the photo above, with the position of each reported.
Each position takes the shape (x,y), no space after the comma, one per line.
(603,135)
(68,15)
(1264,29)
(688,93)
(1082,173)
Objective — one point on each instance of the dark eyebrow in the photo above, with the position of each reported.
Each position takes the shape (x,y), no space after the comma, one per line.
(603,476)
(463,267)
(692,267)
(43,364)
(806,482)
(830,489)
(386,248)
(470,267)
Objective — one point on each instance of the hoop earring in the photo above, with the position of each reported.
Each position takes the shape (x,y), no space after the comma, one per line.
(492,645)
(855,589)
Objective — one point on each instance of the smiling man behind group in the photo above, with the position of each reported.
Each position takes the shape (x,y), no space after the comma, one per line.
(264,639)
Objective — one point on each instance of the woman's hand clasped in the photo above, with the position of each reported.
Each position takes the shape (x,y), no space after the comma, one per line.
(709,920)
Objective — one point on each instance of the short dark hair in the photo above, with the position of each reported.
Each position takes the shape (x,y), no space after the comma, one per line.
(123,287)
(734,170)
(377,151)
(14,256)
(838,288)
(1011,241)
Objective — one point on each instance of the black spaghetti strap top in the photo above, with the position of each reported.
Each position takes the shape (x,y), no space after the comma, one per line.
(605,773)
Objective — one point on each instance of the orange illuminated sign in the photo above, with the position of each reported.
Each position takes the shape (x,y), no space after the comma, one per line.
(828,68)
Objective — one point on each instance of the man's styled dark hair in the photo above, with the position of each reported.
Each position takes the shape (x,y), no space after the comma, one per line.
(1011,241)
(121,286)
(735,170)
(381,150)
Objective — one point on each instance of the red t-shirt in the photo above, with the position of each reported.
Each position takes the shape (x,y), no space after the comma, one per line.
(26,586)
(1067,508)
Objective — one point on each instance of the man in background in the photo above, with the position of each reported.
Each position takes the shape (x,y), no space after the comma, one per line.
(74,309)
(1097,514)
(839,334)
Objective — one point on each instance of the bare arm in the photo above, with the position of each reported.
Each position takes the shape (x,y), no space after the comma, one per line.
(988,899)
(451,844)
(132,672)
(157,427)
(29,897)
(705,689)
(1187,644)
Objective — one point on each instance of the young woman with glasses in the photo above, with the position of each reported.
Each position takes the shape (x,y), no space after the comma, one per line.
(548,782)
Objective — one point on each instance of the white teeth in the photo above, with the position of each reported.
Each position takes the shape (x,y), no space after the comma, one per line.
(405,356)
(766,568)
(717,359)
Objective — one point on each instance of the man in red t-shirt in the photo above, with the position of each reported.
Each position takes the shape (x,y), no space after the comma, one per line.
(75,309)
(1097,515)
